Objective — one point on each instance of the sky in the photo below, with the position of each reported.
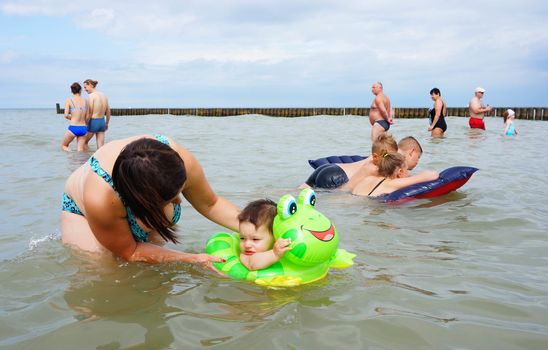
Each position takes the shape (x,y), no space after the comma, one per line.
(273,53)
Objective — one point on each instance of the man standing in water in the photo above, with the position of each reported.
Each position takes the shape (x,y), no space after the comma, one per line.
(97,110)
(380,114)
(477,109)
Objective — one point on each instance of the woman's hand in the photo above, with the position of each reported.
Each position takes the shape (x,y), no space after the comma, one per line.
(207,261)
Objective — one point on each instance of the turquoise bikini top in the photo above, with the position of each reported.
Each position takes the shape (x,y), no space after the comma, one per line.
(138,233)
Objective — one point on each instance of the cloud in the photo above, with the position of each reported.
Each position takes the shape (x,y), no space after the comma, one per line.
(99,18)
(298,46)
(7,57)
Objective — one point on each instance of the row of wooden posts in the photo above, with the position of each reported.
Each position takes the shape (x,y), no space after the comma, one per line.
(533,113)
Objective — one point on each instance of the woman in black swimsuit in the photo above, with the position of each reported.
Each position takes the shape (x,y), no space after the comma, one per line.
(437,114)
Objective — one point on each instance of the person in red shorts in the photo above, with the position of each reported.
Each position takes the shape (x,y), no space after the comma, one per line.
(477,109)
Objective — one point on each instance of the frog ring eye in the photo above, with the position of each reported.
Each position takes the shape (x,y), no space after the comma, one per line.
(287,206)
(307,197)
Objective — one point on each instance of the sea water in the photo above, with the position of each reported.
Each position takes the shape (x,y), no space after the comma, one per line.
(467,270)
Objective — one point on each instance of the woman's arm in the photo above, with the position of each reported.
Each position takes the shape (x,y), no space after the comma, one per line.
(106,217)
(427,175)
(200,195)
(67,109)
(107,113)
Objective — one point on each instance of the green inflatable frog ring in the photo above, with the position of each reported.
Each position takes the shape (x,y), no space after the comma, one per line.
(314,246)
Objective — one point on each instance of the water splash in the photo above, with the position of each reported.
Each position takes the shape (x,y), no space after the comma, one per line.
(34,242)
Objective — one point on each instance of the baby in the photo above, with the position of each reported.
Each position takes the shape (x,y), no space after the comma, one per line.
(257,247)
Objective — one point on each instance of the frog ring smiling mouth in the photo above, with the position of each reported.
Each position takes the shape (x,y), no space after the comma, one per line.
(324,236)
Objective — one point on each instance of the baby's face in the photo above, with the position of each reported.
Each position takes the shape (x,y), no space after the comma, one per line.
(254,240)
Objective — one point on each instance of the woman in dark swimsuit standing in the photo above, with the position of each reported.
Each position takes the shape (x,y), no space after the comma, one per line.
(437,114)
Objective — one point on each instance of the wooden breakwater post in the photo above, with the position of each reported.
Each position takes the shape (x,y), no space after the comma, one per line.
(531,113)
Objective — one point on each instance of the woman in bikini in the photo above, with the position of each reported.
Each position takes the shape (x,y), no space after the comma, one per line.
(393,175)
(75,111)
(126,200)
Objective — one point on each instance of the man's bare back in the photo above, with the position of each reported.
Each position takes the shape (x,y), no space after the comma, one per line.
(98,104)
(97,111)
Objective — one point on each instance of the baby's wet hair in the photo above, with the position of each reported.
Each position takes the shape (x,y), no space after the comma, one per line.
(259,212)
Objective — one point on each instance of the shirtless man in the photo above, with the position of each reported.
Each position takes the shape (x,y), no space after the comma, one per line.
(477,109)
(380,115)
(97,110)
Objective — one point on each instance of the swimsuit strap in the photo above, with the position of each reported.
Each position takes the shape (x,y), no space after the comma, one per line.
(442,107)
(176,213)
(374,188)
(71,108)
(94,163)
(138,233)
(162,139)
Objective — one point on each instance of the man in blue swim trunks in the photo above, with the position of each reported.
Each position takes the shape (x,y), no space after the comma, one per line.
(97,111)
(380,114)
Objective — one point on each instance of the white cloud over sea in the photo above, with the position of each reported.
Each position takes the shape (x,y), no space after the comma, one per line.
(273,53)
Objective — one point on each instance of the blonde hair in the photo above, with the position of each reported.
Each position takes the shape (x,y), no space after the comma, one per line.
(384,144)
(389,163)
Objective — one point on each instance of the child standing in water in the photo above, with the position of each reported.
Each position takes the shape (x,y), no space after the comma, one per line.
(509,128)
(257,250)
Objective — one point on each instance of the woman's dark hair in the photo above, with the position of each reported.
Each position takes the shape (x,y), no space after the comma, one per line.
(75,88)
(147,174)
(435,91)
(91,82)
